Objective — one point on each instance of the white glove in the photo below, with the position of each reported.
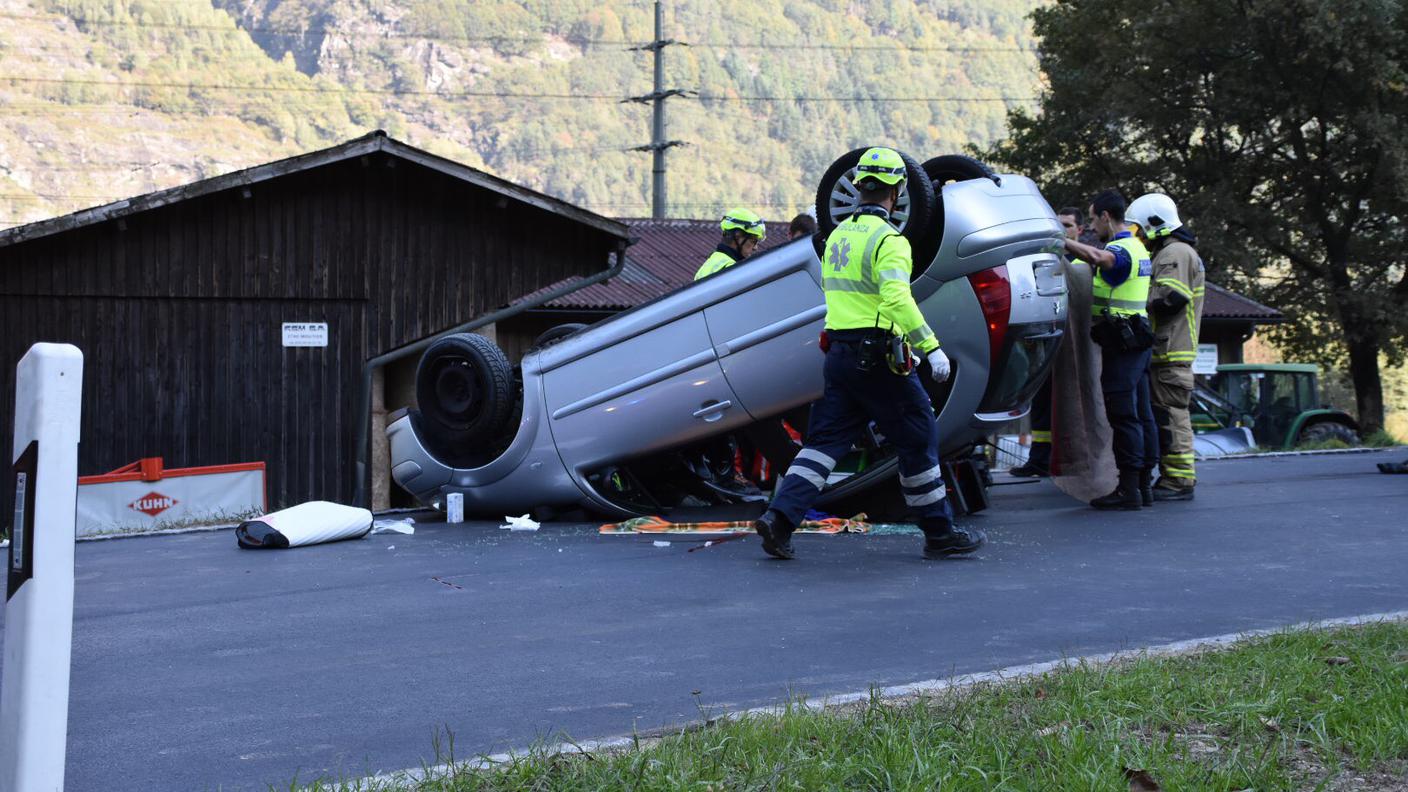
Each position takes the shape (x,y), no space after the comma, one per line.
(938,362)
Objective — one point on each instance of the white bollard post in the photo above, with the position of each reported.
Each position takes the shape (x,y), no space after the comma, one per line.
(39,594)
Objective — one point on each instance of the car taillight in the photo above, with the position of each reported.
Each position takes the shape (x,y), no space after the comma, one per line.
(995,296)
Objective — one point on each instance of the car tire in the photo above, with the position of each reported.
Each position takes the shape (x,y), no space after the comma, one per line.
(955,167)
(835,199)
(554,334)
(1328,430)
(466,394)
(943,170)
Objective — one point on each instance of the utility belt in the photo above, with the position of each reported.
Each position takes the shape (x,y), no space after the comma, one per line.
(1122,332)
(875,348)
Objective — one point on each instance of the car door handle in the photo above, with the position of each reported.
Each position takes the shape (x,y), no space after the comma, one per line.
(711,409)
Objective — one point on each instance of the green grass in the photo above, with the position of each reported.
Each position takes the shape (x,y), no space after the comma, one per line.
(1303,710)
(1381,439)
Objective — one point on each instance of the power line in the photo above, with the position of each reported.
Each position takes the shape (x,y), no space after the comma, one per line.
(850,99)
(438,36)
(496,94)
(309,89)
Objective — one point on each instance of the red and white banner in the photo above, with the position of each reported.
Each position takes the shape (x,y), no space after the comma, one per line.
(143,496)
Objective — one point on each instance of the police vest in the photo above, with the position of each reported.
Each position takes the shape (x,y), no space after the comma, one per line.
(1131,297)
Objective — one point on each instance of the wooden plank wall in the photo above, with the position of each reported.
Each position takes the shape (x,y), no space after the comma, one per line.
(179,313)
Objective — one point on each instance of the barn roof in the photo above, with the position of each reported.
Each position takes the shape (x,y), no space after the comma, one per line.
(664,257)
(374,142)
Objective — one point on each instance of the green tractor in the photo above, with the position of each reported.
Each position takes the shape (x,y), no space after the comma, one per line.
(1278,402)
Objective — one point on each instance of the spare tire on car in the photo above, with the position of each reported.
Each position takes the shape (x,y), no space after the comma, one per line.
(837,198)
(466,394)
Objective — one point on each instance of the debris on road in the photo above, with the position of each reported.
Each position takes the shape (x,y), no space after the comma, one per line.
(659,543)
(647,525)
(309,523)
(405,525)
(524,523)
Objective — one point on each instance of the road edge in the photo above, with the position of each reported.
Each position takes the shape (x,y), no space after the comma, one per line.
(1008,674)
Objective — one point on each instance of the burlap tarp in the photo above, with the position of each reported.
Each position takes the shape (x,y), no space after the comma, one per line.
(1082,458)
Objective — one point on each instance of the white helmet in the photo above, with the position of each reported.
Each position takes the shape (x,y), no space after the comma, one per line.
(1156,213)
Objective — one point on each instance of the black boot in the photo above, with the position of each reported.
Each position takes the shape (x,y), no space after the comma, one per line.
(1125,496)
(776,533)
(1038,464)
(1146,487)
(943,539)
(1166,491)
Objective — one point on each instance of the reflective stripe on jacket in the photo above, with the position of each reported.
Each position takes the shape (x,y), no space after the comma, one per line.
(1177,269)
(865,272)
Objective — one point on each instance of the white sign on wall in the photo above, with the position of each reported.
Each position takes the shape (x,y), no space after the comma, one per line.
(1206,360)
(305,334)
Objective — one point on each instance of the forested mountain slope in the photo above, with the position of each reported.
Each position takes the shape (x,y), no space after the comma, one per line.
(105,99)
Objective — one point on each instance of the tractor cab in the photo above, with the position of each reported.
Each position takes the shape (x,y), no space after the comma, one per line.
(1278,402)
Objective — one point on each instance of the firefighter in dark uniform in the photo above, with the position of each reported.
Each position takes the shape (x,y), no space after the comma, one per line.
(1120,294)
(872,322)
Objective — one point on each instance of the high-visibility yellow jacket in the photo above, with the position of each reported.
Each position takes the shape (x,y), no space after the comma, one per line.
(1131,296)
(722,258)
(866,269)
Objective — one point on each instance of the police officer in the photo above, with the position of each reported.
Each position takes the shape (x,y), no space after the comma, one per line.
(743,230)
(1176,308)
(1120,292)
(865,274)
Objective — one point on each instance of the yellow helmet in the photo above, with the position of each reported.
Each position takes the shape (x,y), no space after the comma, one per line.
(883,164)
(745,220)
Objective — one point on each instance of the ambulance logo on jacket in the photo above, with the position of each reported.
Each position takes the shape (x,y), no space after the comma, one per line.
(153,503)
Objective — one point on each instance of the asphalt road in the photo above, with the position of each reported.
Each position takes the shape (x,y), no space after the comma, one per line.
(199,666)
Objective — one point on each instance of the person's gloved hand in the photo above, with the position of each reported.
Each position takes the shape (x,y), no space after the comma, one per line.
(938,363)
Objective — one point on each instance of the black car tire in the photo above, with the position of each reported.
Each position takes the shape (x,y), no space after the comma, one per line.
(465,390)
(955,167)
(941,171)
(554,334)
(1328,430)
(917,225)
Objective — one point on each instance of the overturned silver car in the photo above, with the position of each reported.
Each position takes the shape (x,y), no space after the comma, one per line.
(603,419)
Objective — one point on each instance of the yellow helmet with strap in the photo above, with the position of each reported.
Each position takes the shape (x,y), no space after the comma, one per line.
(745,220)
(883,164)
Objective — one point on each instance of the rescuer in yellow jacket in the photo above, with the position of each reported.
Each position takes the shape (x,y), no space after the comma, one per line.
(1176,309)
(872,323)
(742,230)
(1119,297)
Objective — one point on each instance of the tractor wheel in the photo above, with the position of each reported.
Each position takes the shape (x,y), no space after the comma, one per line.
(1326,431)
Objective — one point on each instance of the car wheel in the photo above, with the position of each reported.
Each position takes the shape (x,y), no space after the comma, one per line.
(956,167)
(941,171)
(837,198)
(1328,430)
(465,391)
(553,335)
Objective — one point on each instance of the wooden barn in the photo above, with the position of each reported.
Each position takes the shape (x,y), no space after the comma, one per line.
(276,313)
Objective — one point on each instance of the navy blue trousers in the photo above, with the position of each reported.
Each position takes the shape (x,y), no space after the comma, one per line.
(1124,378)
(902,413)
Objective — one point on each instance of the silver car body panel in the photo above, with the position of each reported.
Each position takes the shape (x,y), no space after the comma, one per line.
(737,347)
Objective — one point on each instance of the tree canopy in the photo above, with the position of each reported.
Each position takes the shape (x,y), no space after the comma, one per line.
(1277,125)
